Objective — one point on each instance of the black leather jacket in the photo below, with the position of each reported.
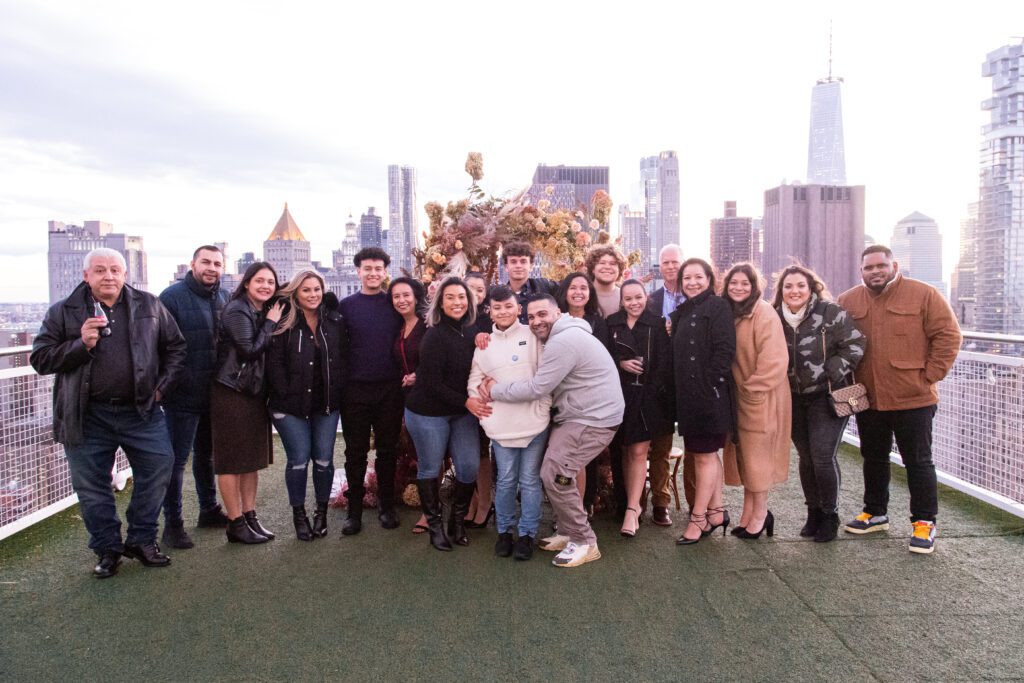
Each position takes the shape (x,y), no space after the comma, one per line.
(243,339)
(290,361)
(158,356)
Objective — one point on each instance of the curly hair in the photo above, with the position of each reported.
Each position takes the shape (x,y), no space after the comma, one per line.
(816,284)
(599,252)
(516,249)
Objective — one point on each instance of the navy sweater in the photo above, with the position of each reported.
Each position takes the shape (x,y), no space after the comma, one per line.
(372,324)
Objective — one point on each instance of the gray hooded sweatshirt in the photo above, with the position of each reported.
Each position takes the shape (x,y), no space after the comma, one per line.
(578,372)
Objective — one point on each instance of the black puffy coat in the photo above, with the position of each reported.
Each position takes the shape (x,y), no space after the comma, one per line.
(242,341)
(703,348)
(290,364)
(652,402)
(197,310)
(157,356)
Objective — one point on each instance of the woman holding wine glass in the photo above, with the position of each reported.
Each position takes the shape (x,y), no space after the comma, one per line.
(641,348)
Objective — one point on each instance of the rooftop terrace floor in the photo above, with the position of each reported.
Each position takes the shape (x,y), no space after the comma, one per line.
(384,605)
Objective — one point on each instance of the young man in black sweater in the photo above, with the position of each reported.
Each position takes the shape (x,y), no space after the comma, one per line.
(373,394)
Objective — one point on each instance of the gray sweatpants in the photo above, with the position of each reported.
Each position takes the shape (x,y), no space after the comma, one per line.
(570,447)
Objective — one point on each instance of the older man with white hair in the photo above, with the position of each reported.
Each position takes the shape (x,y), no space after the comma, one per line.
(662,303)
(116,351)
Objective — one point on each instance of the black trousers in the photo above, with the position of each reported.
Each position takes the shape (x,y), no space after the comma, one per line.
(912,430)
(376,407)
(817,433)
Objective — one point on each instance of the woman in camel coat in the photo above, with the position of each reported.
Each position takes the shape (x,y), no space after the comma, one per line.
(761,458)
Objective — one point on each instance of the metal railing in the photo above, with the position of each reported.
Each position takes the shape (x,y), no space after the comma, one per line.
(978,435)
(34,478)
(978,439)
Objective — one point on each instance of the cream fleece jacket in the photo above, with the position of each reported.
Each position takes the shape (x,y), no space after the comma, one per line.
(511,355)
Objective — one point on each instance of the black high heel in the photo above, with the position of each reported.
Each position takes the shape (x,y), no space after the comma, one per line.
(724,524)
(768,528)
(470,524)
(698,521)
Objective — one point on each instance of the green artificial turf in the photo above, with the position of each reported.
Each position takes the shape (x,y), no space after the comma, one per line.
(385,606)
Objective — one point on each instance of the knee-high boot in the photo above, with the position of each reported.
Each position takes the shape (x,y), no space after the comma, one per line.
(460,508)
(430,502)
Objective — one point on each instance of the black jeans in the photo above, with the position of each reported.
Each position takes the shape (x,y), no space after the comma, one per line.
(376,406)
(913,432)
(817,433)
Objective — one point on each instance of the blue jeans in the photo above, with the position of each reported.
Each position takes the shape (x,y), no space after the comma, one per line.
(435,436)
(308,439)
(148,447)
(519,468)
(190,432)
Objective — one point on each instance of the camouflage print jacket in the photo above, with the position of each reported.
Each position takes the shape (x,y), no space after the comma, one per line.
(843,349)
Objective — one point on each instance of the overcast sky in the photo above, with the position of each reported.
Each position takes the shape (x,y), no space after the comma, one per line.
(194,122)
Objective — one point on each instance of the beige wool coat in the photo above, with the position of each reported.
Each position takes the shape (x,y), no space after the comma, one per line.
(764,404)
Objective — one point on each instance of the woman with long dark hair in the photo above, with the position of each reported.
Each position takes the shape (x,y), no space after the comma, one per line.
(824,345)
(703,350)
(759,456)
(409,298)
(238,408)
(305,375)
(577,296)
(440,415)
(641,349)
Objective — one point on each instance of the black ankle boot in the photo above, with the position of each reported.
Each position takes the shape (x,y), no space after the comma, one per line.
(320,520)
(813,521)
(430,502)
(828,528)
(303,532)
(254,523)
(354,522)
(462,497)
(239,531)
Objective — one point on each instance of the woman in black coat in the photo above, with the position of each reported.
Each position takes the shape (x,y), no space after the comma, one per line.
(305,375)
(641,349)
(703,348)
(238,406)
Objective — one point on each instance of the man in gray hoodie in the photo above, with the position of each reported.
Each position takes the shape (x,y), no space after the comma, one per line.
(576,369)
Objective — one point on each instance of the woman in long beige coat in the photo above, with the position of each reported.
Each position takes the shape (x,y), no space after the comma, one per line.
(761,458)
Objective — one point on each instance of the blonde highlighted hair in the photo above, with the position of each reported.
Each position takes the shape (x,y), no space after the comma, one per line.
(288,293)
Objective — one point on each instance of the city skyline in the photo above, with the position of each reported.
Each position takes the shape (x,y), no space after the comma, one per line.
(177,146)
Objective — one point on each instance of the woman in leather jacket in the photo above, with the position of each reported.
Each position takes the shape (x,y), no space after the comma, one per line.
(238,409)
(305,375)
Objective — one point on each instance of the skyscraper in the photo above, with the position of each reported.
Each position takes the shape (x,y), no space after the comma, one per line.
(286,248)
(573,186)
(732,239)
(826,156)
(917,246)
(68,245)
(820,225)
(1000,231)
(402,217)
(962,295)
(633,228)
(370,229)
(659,179)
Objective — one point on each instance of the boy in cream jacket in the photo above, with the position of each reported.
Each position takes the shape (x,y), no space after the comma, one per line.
(518,431)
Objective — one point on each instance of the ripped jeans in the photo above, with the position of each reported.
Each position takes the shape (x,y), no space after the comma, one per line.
(308,439)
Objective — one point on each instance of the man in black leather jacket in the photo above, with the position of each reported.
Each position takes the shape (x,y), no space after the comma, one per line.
(112,371)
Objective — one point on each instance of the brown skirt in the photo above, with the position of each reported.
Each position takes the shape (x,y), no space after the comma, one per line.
(241,431)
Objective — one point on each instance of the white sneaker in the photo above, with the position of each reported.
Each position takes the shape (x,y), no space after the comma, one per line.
(574,555)
(554,543)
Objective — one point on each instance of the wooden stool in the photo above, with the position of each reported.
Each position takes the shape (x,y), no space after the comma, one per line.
(675,454)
